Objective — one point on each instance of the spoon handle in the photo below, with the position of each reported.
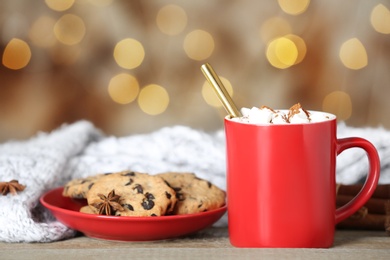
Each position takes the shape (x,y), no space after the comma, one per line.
(220,90)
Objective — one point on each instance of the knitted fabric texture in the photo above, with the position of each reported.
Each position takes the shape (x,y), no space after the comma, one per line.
(49,160)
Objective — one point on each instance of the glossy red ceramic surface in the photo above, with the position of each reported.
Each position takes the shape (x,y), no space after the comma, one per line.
(281,184)
(66,210)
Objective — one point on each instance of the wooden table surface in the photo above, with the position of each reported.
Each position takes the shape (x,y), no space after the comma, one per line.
(212,243)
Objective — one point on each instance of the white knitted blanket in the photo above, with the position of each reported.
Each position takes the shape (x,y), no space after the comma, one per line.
(49,160)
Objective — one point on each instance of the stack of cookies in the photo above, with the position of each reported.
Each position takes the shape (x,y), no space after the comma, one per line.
(129,193)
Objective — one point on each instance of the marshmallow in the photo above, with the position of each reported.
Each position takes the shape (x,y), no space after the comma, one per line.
(295,115)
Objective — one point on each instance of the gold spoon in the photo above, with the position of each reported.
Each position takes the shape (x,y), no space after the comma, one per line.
(220,90)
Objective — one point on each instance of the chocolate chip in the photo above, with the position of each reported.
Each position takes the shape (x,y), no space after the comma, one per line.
(108,173)
(130,182)
(79,196)
(147,204)
(167,183)
(168,195)
(83,181)
(139,188)
(90,185)
(129,174)
(153,215)
(149,196)
(209,184)
(128,206)
(200,205)
(180,196)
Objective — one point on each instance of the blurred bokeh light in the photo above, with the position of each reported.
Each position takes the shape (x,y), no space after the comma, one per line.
(69,29)
(338,103)
(59,5)
(282,53)
(380,19)
(353,54)
(123,88)
(199,45)
(129,53)
(153,99)
(17,54)
(41,32)
(294,7)
(171,19)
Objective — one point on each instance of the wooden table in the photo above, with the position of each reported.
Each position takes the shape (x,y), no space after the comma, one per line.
(212,243)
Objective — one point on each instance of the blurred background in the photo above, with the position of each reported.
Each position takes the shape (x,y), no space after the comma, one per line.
(134,66)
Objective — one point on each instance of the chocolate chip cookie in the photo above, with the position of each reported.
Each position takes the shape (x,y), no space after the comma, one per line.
(194,194)
(140,194)
(78,188)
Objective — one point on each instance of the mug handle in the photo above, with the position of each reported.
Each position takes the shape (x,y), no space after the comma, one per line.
(372,178)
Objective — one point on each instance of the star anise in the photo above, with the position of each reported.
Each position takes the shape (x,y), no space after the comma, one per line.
(11,187)
(109,204)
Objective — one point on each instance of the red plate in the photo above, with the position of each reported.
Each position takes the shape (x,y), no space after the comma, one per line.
(66,210)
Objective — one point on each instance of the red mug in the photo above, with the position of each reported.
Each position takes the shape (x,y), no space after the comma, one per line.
(281,183)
